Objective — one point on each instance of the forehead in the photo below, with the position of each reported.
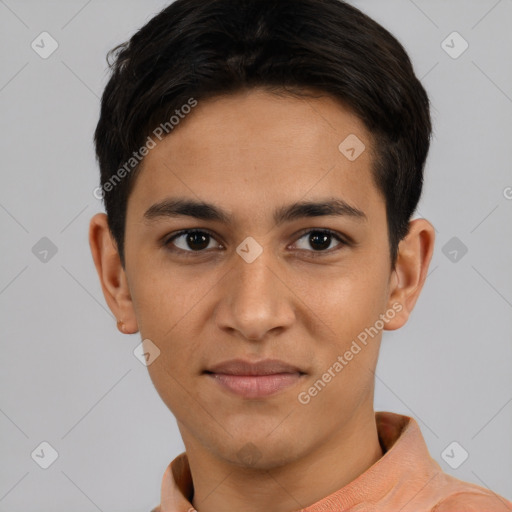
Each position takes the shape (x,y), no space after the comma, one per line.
(255,147)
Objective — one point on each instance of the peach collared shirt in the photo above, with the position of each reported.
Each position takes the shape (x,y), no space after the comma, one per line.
(405,479)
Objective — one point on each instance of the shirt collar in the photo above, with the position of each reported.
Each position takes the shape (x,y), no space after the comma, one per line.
(402,444)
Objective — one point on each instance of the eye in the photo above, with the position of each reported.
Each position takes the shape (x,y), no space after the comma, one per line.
(191,241)
(320,240)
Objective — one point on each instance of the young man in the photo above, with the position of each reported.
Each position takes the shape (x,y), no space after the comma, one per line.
(260,165)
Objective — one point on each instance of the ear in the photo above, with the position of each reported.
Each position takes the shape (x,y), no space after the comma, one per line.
(111,273)
(407,279)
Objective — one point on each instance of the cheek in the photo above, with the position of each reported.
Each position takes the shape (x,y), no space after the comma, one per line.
(163,298)
(348,305)
(165,309)
(346,300)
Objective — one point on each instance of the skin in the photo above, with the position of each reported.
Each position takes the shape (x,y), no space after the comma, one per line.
(250,153)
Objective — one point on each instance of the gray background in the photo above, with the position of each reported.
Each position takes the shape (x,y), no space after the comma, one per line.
(70,378)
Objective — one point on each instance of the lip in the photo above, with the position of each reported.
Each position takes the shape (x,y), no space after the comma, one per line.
(263,367)
(255,380)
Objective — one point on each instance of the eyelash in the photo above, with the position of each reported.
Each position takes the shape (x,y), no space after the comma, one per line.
(314,254)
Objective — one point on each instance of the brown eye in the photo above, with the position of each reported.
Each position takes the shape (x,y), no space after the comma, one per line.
(190,241)
(320,240)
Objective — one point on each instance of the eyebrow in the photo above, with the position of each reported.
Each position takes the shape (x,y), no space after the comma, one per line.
(174,207)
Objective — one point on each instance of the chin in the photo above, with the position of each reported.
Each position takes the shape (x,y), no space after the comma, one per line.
(261,454)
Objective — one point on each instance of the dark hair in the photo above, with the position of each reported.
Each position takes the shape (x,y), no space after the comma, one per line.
(197,49)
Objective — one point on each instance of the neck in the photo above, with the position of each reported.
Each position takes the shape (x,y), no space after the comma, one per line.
(221,487)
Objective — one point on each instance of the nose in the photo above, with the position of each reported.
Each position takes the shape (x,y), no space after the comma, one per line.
(256,299)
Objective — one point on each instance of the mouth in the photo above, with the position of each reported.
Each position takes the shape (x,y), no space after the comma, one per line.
(255,380)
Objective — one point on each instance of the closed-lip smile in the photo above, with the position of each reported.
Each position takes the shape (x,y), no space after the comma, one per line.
(255,379)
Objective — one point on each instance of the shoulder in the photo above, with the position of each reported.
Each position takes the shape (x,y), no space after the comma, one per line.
(473,501)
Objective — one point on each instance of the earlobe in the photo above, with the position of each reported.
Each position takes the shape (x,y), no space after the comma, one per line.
(414,256)
(111,274)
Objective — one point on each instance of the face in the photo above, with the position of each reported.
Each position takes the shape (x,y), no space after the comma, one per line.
(254,283)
